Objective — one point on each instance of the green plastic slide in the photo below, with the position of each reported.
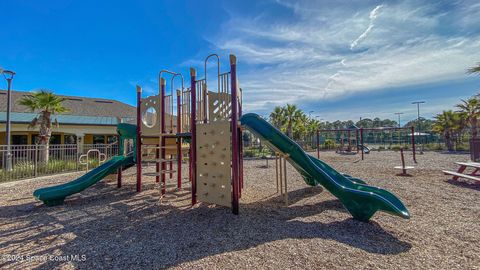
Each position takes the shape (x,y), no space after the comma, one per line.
(56,195)
(361,200)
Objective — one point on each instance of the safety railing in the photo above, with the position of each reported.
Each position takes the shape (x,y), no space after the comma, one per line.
(30,161)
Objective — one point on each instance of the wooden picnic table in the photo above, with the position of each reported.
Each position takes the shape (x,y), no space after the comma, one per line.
(460,173)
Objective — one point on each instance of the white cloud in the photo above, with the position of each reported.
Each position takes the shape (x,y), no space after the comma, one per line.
(309,57)
(373,15)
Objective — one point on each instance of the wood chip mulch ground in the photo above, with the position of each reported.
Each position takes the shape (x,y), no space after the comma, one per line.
(109,228)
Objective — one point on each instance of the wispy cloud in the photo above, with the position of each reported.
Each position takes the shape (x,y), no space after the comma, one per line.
(373,15)
(329,52)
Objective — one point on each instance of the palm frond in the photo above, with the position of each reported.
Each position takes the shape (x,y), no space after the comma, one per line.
(474,70)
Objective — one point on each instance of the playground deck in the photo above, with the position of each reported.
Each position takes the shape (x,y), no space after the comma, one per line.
(118,228)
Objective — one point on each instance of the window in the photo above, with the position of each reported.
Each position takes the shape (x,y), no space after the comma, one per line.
(70,139)
(54,139)
(19,139)
(111,139)
(104,101)
(98,139)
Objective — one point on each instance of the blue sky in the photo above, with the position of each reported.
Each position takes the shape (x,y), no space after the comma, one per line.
(340,59)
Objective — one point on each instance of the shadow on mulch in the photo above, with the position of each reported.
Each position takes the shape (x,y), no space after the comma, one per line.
(142,234)
(463,184)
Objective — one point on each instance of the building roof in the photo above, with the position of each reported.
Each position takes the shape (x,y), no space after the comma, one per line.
(67,119)
(83,110)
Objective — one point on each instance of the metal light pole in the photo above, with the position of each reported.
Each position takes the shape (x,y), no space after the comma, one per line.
(8,75)
(399,113)
(418,119)
(418,112)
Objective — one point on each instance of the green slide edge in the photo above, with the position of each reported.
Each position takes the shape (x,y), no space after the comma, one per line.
(361,201)
(55,195)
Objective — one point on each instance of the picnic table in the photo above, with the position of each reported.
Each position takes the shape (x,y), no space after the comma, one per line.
(460,173)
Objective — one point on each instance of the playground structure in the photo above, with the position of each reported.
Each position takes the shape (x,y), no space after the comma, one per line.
(360,140)
(204,116)
(204,125)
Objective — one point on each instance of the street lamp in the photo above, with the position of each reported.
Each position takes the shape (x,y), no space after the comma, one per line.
(399,113)
(418,112)
(8,75)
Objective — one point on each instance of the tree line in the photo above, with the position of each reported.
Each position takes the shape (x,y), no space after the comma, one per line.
(451,125)
(297,125)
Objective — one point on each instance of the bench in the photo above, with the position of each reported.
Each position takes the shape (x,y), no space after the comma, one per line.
(403,167)
(469,164)
(460,172)
(461,175)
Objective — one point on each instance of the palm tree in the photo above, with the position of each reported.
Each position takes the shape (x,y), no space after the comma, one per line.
(470,110)
(292,114)
(45,103)
(474,70)
(299,126)
(312,127)
(278,118)
(448,124)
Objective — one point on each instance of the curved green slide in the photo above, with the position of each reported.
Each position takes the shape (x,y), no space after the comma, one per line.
(361,200)
(55,195)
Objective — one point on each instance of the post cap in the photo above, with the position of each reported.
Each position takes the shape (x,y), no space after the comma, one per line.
(162,81)
(193,72)
(139,89)
(233,59)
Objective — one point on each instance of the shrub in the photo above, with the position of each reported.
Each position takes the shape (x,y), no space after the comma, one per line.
(462,148)
(329,144)
(396,148)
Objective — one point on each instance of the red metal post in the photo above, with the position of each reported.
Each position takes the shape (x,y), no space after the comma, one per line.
(403,162)
(193,127)
(318,144)
(162,132)
(139,139)
(157,165)
(361,142)
(179,139)
(356,139)
(413,145)
(349,141)
(235,143)
(119,178)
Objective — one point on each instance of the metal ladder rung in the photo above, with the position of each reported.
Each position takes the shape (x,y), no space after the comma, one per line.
(169,147)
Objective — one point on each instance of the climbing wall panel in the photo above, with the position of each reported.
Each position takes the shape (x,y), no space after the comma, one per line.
(214,161)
